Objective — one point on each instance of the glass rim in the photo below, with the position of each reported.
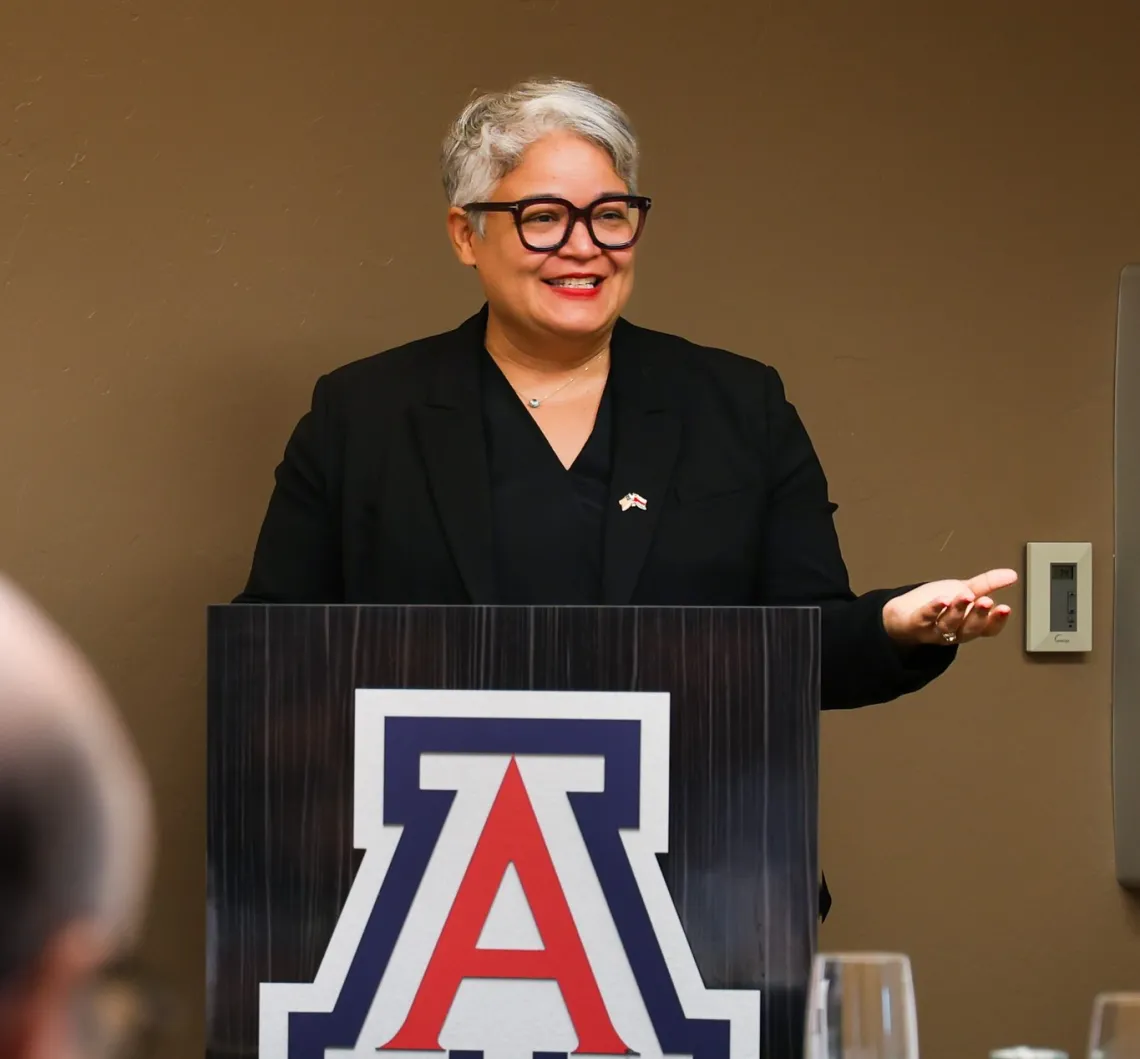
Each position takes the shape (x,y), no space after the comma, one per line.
(863,957)
(1023,1051)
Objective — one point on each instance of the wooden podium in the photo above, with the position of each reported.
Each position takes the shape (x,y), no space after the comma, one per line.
(496,831)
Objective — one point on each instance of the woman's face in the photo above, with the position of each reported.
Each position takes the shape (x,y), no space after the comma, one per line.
(522,285)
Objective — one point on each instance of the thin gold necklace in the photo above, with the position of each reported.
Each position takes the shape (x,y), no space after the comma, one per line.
(537,402)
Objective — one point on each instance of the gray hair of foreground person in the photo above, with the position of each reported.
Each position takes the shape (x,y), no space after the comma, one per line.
(76,827)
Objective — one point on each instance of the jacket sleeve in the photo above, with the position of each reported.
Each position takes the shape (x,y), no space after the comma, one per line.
(802,565)
(297,558)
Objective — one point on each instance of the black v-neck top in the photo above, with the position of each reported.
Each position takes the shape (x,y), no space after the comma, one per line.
(548,522)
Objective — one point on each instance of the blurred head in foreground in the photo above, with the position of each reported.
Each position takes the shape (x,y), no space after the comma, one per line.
(75,846)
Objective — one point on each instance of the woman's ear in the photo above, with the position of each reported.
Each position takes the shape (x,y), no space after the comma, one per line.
(462,235)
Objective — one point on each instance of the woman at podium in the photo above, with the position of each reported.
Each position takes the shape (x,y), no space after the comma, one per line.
(547,451)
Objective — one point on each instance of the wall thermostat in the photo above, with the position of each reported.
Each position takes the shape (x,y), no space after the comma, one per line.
(1058,596)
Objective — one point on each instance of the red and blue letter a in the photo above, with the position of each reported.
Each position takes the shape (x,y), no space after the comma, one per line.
(511,835)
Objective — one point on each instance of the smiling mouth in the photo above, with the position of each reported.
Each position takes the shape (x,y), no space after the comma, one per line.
(575,282)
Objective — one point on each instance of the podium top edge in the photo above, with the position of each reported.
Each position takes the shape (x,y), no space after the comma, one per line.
(643,608)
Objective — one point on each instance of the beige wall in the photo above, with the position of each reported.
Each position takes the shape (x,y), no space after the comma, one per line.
(917,212)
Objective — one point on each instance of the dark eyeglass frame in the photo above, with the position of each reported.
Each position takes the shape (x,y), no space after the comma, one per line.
(574,214)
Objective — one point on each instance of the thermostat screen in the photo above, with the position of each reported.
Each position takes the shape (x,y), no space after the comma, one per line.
(1063,597)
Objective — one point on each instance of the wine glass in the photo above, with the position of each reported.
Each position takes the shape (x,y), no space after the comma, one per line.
(1115,1032)
(861,1006)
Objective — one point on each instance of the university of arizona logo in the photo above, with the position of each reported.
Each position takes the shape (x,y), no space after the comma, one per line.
(509,904)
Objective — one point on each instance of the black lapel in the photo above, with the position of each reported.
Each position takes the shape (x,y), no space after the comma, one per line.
(449,428)
(647,434)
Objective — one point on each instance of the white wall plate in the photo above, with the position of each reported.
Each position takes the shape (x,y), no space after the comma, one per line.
(1058,596)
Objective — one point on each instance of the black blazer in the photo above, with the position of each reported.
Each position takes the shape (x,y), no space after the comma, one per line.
(383,496)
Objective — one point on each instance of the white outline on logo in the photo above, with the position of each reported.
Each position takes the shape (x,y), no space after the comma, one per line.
(740,1007)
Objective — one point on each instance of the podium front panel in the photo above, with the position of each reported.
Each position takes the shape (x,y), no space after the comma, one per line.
(741,866)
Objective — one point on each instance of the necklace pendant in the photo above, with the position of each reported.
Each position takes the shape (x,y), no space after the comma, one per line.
(534,402)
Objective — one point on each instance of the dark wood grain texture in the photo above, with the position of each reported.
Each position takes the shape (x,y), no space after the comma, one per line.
(741,866)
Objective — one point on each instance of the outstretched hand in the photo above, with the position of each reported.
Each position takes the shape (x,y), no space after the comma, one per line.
(947,612)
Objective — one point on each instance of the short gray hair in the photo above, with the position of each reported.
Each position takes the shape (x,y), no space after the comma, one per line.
(489,137)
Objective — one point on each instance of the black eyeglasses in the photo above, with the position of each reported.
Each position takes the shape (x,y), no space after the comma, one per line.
(545,225)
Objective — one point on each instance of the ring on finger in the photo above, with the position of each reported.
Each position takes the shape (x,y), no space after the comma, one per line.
(948,637)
